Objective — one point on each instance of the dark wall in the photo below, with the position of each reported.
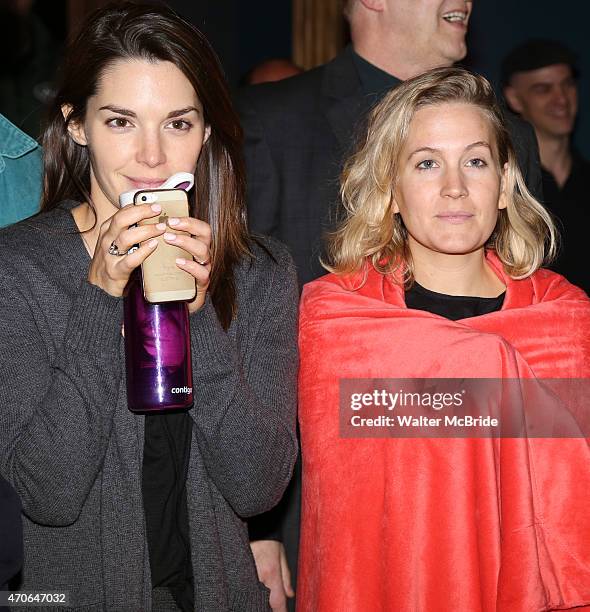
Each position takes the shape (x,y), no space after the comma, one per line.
(242,32)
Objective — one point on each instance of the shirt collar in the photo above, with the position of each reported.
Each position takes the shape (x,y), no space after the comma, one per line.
(14,142)
(374,81)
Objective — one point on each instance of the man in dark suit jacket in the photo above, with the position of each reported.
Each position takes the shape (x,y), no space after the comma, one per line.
(300,130)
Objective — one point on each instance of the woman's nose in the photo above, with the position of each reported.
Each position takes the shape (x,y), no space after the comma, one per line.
(454,184)
(151,151)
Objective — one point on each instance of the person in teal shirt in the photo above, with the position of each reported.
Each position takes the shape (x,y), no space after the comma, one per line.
(20,174)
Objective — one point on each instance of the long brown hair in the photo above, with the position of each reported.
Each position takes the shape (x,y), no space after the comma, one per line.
(125,30)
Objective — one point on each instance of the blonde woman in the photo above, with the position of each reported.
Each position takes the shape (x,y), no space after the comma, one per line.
(436,273)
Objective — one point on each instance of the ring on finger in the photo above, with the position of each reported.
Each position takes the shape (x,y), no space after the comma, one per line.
(114,250)
(205,261)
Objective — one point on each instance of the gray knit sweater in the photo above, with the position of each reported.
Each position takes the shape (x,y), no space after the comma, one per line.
(73,451)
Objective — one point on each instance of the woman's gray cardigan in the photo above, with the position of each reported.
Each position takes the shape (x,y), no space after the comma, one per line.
(73,451)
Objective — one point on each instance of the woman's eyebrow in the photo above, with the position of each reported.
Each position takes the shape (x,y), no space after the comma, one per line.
(120,111)
(182,111)
(423,150)
(129,113)
(479,143)
(473,145)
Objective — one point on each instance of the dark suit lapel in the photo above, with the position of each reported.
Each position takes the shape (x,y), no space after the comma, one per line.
(342,97)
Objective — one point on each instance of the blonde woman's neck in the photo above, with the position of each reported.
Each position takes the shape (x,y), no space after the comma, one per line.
(466,275)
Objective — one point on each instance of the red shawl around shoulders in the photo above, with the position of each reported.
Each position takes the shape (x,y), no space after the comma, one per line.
(440,525)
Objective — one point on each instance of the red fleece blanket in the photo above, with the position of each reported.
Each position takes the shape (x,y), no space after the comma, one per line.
(440,525)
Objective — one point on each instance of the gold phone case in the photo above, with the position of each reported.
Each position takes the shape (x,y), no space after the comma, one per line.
(163,280)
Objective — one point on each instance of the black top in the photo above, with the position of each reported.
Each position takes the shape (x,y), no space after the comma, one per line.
(453,307)
(571,206)
(165,467)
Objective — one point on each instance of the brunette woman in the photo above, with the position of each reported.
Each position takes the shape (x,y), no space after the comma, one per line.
(125,512)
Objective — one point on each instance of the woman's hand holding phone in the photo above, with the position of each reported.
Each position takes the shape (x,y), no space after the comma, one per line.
(111,272)
(197,241)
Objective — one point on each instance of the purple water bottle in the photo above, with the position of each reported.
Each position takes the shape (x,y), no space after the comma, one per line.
(157,341)
(157,352)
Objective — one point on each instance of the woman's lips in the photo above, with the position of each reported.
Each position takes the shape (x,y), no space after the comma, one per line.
(145,183)
(455,217)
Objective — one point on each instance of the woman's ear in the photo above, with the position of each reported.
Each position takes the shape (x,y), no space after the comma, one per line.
(503,199)
(394,204)
(75,130)
(207,133)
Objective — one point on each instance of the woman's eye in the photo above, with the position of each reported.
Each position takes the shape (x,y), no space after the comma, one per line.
(118,122)
(180,124)
(427,164)
(476,163)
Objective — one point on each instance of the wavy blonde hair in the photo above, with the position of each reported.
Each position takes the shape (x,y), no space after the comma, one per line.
(524,237)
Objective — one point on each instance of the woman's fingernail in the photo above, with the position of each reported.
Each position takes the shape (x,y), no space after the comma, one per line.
(152,243)
(161,226)
(181,261)
(169,236)
(156,208)
(173,221)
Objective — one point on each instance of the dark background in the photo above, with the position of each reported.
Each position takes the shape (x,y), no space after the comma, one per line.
(243,32)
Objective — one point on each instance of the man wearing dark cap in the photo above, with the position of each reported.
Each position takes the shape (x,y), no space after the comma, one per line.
(539,82)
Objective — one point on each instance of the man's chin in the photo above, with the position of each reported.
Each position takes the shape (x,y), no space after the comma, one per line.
(558,129)
(454,53)
(461,52)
